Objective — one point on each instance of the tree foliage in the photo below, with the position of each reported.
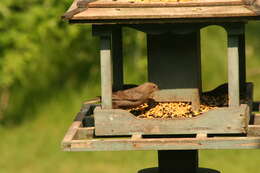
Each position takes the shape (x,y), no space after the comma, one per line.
(38,51)
(40,54)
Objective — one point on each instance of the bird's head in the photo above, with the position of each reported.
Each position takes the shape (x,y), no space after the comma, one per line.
(150,87)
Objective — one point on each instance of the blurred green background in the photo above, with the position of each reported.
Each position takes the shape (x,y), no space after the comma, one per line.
(48,68)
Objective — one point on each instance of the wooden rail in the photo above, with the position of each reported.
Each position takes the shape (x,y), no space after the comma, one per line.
(80,138)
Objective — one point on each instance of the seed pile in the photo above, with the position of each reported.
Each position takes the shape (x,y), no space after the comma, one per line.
(209,100)
(168,110)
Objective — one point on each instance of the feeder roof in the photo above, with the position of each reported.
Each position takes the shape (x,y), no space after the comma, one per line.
(141,11)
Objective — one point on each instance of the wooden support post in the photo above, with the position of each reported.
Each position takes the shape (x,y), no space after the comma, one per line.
(106,72)
(117,54)
(233,70)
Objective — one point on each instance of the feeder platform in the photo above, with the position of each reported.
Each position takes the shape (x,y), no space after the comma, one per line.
(81,137)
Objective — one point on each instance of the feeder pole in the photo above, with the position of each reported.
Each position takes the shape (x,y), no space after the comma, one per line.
(178,161)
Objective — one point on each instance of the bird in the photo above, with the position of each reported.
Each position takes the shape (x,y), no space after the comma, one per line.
(131,97)
(222,89)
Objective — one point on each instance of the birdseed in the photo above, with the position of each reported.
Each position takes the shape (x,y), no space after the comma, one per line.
(168,110)
(155,110)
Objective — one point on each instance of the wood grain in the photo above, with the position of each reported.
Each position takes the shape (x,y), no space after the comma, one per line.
(157,3)
(159,13)
(233,70)
(254,130)
(89,142)
(106,72)
(224,120)
(72,130)
(114,144)
(257,119)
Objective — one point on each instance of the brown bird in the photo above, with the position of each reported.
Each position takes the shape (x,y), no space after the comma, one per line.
(132,97)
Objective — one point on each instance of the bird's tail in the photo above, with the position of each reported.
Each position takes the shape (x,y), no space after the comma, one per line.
(93,101)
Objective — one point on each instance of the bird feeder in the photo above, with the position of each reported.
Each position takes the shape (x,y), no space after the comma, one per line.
(174,63)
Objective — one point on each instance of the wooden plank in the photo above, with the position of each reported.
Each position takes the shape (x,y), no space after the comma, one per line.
(73,10)
(257,119)
(106,72)
(84,133)
(233,70)
(137,143)
(253,130)
(136,136)
(159,13)
(201,135)
(219,121)
(155,3)
(210,21)
(72,131)
(165,144)
(257,3)
(73,5)
(184,95)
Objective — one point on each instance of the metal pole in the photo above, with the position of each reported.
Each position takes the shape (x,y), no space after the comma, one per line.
(178,161)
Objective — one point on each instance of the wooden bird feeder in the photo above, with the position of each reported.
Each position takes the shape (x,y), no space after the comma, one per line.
(174,63)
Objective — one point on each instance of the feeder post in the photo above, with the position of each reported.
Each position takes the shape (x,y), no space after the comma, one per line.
(236,60)
(106,72)
(111,60)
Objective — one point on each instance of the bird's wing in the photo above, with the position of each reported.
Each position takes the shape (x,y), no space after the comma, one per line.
(130,94)
(127,103)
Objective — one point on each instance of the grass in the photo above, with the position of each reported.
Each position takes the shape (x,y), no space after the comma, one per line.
(33,145)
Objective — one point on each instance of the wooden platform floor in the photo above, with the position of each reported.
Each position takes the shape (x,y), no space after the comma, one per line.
(79,138)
